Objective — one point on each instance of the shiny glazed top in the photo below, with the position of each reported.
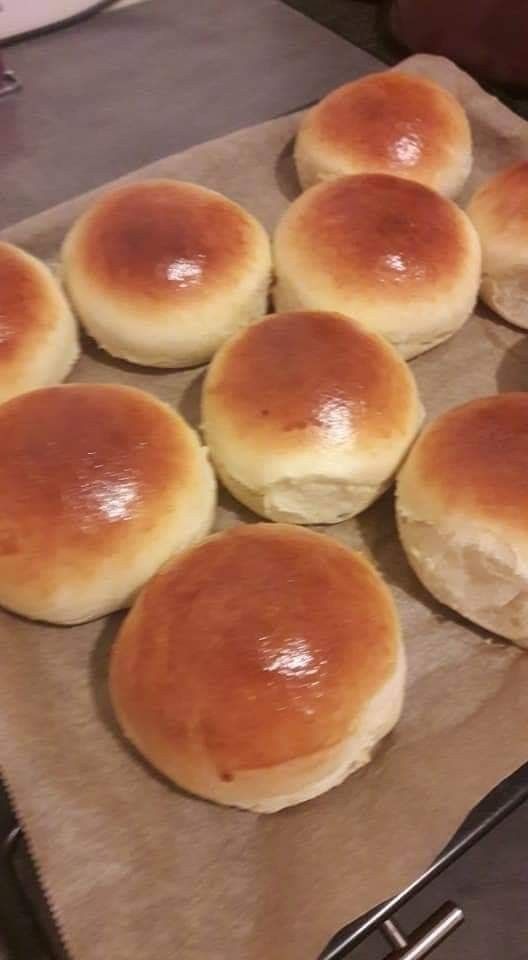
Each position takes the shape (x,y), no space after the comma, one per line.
(376,232)
(260,645)
(161,240)
(392,122)
(83,466)
(297,377)
(474,460)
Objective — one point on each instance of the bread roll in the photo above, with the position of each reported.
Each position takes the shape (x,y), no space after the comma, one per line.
(392,254)
(499,211)
(38,334)
(162,272)
(99,485)
(388,122)
(261,667)
(462,508)
(308,415)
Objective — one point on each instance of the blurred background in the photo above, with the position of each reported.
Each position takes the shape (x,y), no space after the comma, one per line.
(487,37)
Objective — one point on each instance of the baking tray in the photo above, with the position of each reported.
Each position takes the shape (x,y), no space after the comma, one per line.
(32,935)
(23,884)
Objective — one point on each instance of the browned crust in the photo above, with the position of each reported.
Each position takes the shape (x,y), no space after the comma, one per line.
(474,459)
(82,467)
(261,645)
(163,240)
(395,122)
(303,375)
(28,309)
(375,231)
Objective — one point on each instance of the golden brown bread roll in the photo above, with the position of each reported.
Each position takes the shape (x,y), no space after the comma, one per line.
(38,334)
(261,667)
(99,485)
(308,415)
(388,122)
(161,272)
(499,212)
(462,505)
(392,254)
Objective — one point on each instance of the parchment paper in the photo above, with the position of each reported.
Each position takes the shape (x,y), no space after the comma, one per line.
(136,869)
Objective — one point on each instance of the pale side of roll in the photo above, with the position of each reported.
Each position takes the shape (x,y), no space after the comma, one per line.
(389,122)
(462,507)
(260,668)
(39,343)
(99,485)
(499,212)
(307,416)
(161,272)
(390,253)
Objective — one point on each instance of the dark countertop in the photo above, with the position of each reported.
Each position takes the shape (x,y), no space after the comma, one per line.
(130,86)
(362,22)
(127,87)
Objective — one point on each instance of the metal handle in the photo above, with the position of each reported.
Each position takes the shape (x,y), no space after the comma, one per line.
(8,82)
(426,937)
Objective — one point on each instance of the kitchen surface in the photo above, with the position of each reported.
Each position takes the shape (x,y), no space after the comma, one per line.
(145,80)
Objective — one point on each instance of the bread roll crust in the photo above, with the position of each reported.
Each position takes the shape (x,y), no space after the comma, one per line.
(462,505)
(38,334)
(294,378)
(381,231)
(308,407)
(164,241)
(393,254)
(499,212)
(388,122)
(474,460)
(249,661)
(99,485)
(162,271)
